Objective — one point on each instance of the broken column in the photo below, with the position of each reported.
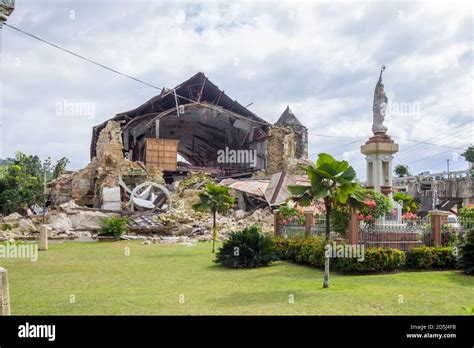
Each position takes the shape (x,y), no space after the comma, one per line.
(4,292)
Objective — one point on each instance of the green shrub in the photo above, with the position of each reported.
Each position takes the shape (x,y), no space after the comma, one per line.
(248,248)
(293,248)
(420,258)
(281,244)
(113,226)
(431,258)
(466,250)
(312,252)
(466,216)
(375,260)
(445,258)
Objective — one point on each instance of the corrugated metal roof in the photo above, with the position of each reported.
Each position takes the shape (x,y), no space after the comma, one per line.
(250,186)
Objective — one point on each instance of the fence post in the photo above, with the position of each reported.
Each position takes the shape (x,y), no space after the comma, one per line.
(353,230)
(4,293)
(438,217)
(275,223)
(308,222)
(43,238)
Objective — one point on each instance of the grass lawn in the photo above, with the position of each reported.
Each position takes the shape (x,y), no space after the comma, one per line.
(154,278)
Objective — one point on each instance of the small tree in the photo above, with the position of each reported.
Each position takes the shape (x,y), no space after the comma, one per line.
(22,181)
(334,182)
(408,202)
(466,259)
(402,170)
(469,154)
(215,199)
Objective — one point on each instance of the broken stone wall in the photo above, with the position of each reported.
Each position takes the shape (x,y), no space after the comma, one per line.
(85,186)
(301,136)
(287,148)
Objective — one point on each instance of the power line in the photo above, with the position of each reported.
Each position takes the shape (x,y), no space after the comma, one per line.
(429,157)
(424,142)
(335,136)
(81,57)
(424,148)
(417,148)
(439,134)
(170,90)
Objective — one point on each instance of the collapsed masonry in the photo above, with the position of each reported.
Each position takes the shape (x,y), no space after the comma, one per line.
(194,120)
(107,170)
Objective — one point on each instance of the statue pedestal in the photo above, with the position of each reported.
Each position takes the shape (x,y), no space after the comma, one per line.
(379,151)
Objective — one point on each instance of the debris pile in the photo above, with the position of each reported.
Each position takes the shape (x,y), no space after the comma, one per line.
(108,169)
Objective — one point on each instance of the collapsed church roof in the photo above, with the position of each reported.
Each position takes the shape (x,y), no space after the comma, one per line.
(200,116)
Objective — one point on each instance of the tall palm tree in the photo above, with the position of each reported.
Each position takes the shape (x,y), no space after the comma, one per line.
(334,182)
(215,199)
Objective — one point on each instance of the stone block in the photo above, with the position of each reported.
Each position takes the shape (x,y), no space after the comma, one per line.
(4,292)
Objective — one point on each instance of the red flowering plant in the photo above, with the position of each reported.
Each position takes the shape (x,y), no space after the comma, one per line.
(375,205)
(409,216)
(289,215)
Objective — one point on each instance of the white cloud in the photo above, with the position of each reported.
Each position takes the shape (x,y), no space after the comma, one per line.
(322,59)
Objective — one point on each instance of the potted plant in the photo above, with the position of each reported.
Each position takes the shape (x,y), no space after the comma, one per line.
(112,228)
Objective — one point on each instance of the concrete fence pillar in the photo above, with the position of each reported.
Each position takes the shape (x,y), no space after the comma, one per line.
(438,218)
(308,222)
(4,292)
(43,238)
(353,230)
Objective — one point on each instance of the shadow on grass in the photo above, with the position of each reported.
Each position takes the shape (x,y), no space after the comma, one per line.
(219,268)
(259,298)
(169,255)
(461,278)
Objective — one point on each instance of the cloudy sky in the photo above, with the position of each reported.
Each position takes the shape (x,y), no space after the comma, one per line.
(322,59)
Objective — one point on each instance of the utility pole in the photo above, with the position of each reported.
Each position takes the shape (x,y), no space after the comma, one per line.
(448,168)
(6,9)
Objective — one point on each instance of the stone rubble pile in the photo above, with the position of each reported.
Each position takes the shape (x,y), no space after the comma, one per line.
(182,224)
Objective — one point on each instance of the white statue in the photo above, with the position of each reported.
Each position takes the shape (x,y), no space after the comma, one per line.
(380,106)
(6,9)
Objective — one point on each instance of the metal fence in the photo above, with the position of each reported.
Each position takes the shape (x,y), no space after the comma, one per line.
(402,235)
(411,233)
(387,232)
(290,230)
